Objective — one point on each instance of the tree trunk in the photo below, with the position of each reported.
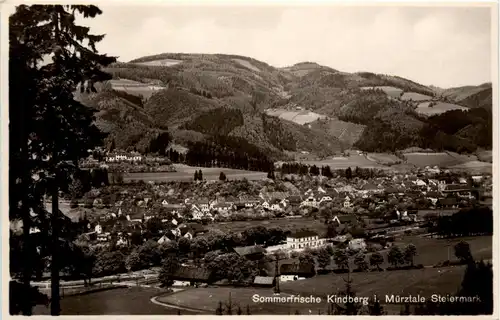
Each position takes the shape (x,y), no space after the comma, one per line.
(55,307)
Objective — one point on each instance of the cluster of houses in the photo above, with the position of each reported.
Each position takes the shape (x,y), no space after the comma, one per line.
(172,210)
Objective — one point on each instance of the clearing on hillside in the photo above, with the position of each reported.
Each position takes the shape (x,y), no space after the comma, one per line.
(247,64)
(437,108)
(347,132)
(390,91)
(299,116)
(384,158)
(415,96)
(160,63)
(134,87)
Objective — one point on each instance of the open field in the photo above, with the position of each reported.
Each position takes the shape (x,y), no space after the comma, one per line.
(354,160)
(415,96)
(347,132)
(292,224)
(431,251)
(425,282)
(298,116)
(438,108)
(134,87)
(383,158)
(186,173)
(247,64)
(390,91)
(160,63)
(476,167)
(441,159)
(124,301)
(208,299)
(485,155)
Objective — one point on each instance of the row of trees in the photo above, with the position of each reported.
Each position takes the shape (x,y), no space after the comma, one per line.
(466,222)
(326,171)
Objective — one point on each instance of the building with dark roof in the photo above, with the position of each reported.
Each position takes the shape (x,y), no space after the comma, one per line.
(264,281)
(192,274)
(297,270)
(250,252)
(304,239)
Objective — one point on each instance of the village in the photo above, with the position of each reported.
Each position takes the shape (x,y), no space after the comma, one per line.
(288,228)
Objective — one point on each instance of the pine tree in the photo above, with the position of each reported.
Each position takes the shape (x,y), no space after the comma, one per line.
(200,175)
(36,32)
(222,176)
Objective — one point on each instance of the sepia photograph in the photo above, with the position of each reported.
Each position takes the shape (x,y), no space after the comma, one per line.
(321,158)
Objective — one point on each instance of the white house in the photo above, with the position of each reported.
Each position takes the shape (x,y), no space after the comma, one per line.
(164,202)
(309,202)
(325,199)
(222,207)
(98,229)
(204,206)
(420,183)
(304,239)
(347,202)
(357,244)
(176,232)
(197,214)
(265,205)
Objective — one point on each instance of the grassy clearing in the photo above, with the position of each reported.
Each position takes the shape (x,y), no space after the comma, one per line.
(390,91)
(431,251)
(207,299)
(160,63)
(247,64)
(347,132)
(441,159)
(354,160)
(383,158)
(127,301)
(186,173)
(440,107)
(415,96)
(299,116)
(292,224)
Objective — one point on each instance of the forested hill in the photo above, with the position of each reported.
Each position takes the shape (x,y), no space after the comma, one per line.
(190,94)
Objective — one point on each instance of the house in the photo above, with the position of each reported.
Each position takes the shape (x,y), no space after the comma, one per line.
(204,206)
(196,213)
(347,202)
(98,229)
(194,229)
(447,203)
(265,205)
(275,205)
(295,271)
(347,219)
(310,201)
(193,275)
(264,281)
(222,207)
(253,253)
(357,244)
(164,202)
(304,239)
(325,198)
(164,239)
(369,188)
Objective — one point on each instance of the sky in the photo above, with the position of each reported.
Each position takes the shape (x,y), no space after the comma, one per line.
(442,46)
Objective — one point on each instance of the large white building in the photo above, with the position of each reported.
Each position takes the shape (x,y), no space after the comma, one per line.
(304,239)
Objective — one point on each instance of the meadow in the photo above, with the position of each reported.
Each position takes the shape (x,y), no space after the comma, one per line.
(293,224)
(186,173)
(415,96)
(383,158)
(160,63)
(438,108)
(441,159)
(207,299)
(390,91)
(298,116)
(134,87)
(352,161)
